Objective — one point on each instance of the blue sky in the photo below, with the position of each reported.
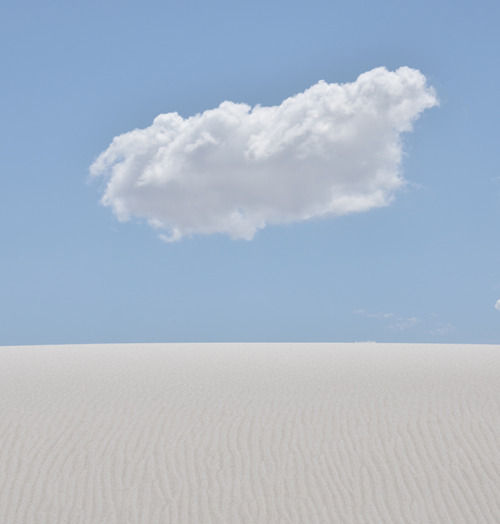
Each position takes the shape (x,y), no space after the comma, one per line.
(424,268)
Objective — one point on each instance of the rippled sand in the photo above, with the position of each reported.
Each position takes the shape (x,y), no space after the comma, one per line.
(250,433)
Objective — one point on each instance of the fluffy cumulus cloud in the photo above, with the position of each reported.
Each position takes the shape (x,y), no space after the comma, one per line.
(331,150)
(497,305)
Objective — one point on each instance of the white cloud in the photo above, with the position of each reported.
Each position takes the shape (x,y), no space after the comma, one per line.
(374,315)
(497,305)
(442,329)
(406,323)
(397,323)
(332,150)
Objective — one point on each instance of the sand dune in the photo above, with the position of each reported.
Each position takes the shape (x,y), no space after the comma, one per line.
(250,433)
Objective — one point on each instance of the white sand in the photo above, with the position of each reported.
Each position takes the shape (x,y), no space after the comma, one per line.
(250,433)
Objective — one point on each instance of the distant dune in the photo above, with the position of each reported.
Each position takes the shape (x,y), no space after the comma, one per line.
(250,433)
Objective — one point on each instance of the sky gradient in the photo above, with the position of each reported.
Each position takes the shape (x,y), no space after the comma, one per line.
(424,268)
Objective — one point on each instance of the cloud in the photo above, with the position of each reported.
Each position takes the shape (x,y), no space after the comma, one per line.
(442,329)
(406,323)
(373,315)
(332,150)
(497,305)
(397,323)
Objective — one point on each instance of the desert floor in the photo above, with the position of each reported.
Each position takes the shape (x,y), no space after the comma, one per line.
(250,433)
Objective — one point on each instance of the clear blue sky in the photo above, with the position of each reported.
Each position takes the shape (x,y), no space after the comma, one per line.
(425,268)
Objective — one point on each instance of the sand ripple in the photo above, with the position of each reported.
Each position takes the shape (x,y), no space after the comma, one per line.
(250,433)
